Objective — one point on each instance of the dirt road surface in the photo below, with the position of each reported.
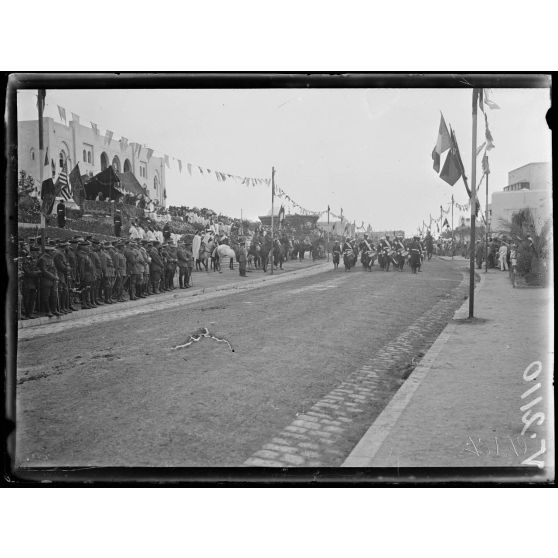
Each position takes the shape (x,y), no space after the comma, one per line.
(129,392)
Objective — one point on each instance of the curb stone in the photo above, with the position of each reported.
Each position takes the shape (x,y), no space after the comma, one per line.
(368,446)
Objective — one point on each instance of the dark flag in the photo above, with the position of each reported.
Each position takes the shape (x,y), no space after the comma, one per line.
(281,214)
(46,157)
(48,196)
(462,169)
(446,224)
(78,190)
(443,143)
(451,172)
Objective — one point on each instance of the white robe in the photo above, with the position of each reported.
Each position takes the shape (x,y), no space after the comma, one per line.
(196,245)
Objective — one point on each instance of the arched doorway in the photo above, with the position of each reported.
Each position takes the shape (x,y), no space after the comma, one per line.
(127,166)
(104,161)
(116,163)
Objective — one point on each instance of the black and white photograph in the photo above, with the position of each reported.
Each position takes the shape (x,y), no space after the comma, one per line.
(280,274)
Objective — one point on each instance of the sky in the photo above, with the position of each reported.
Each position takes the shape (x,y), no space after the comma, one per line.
(367,151)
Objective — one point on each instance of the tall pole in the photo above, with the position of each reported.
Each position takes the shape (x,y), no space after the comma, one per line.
(441,221)
(486,225)
(272,209)
(40,103)
(473,206)
(327,240)
(452,239)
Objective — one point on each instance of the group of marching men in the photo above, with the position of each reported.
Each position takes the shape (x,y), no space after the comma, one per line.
(92,272)
(398,252)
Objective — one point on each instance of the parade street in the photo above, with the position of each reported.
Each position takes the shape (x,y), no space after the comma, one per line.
(302,369)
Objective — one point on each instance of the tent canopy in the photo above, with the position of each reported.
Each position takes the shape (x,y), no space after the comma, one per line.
(107,183)
(129,184)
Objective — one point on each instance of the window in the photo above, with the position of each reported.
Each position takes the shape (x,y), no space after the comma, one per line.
(143,170)
(87,153)
(32,154)
(62,159)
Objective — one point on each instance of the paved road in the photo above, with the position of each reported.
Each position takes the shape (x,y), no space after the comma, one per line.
(314,360)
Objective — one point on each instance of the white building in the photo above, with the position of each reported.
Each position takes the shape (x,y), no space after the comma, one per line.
(529,186)
(76,143)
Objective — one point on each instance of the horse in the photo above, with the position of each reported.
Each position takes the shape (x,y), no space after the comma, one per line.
(205,254)
(254,254)
(265,252)
(224,251)
(278,254)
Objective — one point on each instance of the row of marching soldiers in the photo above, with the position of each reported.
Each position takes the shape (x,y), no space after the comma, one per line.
(91,272)
(387,251)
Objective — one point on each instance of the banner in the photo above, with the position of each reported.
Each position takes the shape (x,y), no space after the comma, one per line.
(62,113)
(48,196)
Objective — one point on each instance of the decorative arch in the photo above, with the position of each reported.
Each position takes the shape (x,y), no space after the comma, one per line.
(104,161)
(116,163)
(127,166)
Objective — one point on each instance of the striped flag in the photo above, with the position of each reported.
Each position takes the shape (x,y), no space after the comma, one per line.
(62,187)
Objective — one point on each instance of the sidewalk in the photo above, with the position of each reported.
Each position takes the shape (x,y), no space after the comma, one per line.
(203,283)
(460,407)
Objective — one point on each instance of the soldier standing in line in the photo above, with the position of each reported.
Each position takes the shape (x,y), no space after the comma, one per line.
(86,274)
(49,282)
(164,274)
(111,250)
(30,285)
(123,276)
(155,267)
(172,260)
(63,272)
(110,272)
(147,259)
(140,269)
(71,258)
(131,268)
(182,257)
(96,287)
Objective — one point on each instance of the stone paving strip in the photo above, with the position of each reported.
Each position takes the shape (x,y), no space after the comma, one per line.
(318,437)
(45,326)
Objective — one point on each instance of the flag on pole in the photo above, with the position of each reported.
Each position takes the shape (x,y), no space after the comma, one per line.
(488,102)
(480,148)
(95,128)
(443,143)
(281,214)
(123,143)
(149,153)
(489,140)
(47,196)
(167,161)
(76,183)
(61,187)
(62,113)
(46,157)
(451,172)
(75,117)
(485,166)
(108,137)
(446,224)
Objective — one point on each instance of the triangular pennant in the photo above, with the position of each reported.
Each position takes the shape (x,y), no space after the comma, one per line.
(75,117)
(489,140)
(179,166)
(149,153)
(108,137)
(95,128)
(189,167)
(480,148)
(167,163)
(488,102)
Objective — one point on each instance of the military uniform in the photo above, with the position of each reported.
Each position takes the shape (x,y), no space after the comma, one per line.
(184,257)
(121,272)
(98,272)
(156,268)
(30,282)
(146,273)
(172,261)
(86,274)
(49,282)
(110,273)
(63,272)
(132,269)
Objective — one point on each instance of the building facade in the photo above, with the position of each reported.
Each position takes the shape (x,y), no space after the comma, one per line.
(529,186)
(75,143)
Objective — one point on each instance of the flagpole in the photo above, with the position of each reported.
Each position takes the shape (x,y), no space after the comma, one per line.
(473,206)
(272,201)
(486,225)
(41,97)
(327,239)
(452,239)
